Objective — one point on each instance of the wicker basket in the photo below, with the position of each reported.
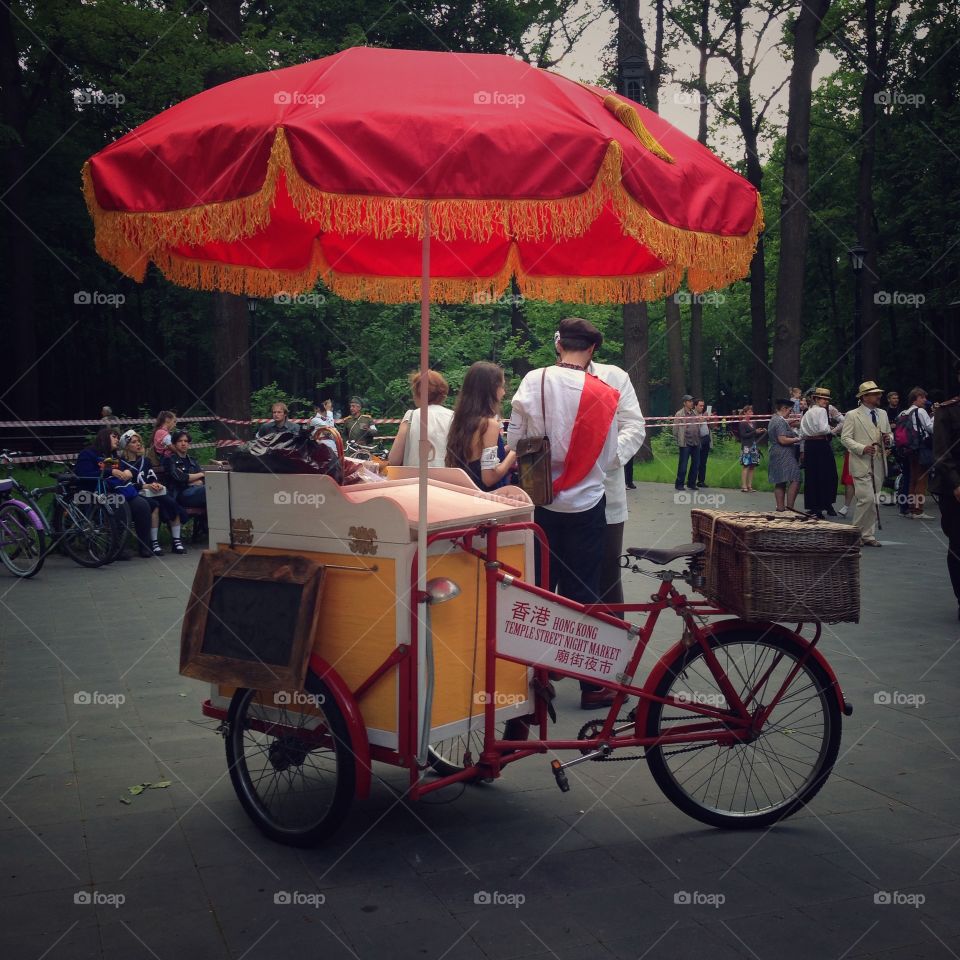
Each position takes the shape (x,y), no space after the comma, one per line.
(765,566)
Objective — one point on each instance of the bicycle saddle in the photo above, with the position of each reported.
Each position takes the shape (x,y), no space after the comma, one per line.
(664,555)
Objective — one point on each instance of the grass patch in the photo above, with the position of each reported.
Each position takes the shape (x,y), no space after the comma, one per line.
(723,465)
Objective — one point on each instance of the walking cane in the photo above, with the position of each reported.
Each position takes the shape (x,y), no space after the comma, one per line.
(873,483)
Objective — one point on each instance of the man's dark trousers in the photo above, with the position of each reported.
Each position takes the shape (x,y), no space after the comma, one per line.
(688,456)
(576,552)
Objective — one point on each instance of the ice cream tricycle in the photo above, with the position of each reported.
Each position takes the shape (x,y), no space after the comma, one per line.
(325,658)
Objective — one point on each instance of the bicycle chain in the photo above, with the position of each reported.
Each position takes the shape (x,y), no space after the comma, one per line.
(598,724)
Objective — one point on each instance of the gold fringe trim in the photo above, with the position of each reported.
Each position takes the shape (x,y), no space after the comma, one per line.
(627,114)
(131,240)
(480,291)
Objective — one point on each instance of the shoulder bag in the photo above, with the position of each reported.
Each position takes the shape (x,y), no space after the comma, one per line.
(533,459)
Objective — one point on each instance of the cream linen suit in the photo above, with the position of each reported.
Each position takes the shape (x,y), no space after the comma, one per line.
(858,431)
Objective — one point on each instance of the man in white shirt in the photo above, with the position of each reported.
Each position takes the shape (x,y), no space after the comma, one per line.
(819,467)
(631,430)
(581,422)
(865,434)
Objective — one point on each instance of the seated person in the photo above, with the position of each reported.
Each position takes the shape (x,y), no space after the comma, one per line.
(475,441)
(280,421)
(406,447)
(323,415)
(359,426)
(160,447)
(93,475)
(186,477)
(136,469)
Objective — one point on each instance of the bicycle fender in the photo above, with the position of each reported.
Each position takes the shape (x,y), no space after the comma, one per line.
(359,743)
(757,627)
(30,512)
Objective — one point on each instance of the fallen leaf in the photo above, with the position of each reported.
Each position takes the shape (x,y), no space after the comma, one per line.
(126,801)
(160,784)
(137,789)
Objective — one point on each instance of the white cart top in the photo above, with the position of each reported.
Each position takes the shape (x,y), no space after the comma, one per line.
(312,506)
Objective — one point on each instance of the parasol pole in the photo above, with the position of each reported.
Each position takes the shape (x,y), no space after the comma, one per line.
(424,445)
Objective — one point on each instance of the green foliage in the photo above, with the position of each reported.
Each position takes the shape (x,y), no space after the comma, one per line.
(263,399)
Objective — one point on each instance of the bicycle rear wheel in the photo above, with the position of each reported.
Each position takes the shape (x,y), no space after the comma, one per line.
(293,769)
(88,533)
(21,543)
(767,778)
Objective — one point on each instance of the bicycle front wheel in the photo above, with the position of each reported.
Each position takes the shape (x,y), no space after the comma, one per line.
(292,767)
(767,778)
(21,543)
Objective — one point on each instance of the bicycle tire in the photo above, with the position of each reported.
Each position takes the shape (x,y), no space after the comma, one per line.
(91,541)
(264,766)
(791,761)
(22,545)
(446,756)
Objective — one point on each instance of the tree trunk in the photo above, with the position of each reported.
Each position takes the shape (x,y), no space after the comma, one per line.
(794,217)
(520,365)
(759,339)
(696,349)
(231,356)
(636,360)
(678,378)
(20,394)
(231,318)
(873,80)
(632,42)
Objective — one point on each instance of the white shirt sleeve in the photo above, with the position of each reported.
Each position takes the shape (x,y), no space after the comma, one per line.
(631,427)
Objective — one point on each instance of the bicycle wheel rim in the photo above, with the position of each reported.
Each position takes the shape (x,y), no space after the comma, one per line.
(21,543)
(769,777)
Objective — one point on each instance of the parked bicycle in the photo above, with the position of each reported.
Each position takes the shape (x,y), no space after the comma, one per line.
(85,524)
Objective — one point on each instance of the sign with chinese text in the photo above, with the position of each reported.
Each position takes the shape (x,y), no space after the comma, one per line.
(547,634)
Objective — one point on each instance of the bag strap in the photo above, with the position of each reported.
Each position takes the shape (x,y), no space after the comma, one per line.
(543,399)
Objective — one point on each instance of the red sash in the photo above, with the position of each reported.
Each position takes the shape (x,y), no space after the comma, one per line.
(598,407)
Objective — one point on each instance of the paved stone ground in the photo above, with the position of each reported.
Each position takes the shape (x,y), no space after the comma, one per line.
(598,867)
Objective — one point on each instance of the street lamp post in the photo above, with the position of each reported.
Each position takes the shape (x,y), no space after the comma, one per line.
(857,256)
(717,354)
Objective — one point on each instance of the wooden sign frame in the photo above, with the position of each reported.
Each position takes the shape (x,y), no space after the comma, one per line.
(224,564)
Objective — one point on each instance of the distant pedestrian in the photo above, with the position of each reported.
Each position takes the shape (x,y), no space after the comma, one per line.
(783,465)
(706,442)
(749,453)
(796,398)
(920,459)
(107,418)
(686,431)
(819,466)
(866,434)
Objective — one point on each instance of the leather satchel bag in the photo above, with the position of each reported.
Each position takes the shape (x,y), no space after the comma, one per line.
(533,460)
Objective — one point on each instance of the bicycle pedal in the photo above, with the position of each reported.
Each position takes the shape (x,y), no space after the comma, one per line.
(560,776)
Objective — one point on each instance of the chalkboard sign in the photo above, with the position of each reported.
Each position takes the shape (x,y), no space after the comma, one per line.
(251,619)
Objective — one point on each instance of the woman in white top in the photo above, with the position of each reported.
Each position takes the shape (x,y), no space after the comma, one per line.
(406,448)
(920,459)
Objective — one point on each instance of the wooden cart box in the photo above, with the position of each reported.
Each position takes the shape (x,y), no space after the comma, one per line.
(365,536)
(766,566)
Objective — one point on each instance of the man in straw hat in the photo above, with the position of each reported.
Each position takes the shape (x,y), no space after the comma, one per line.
(866,434)
(819,467)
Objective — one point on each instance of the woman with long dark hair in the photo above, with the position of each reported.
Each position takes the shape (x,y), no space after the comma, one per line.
(475,441)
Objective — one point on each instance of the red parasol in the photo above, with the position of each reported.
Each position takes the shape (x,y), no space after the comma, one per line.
(324,170)
(398,175)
